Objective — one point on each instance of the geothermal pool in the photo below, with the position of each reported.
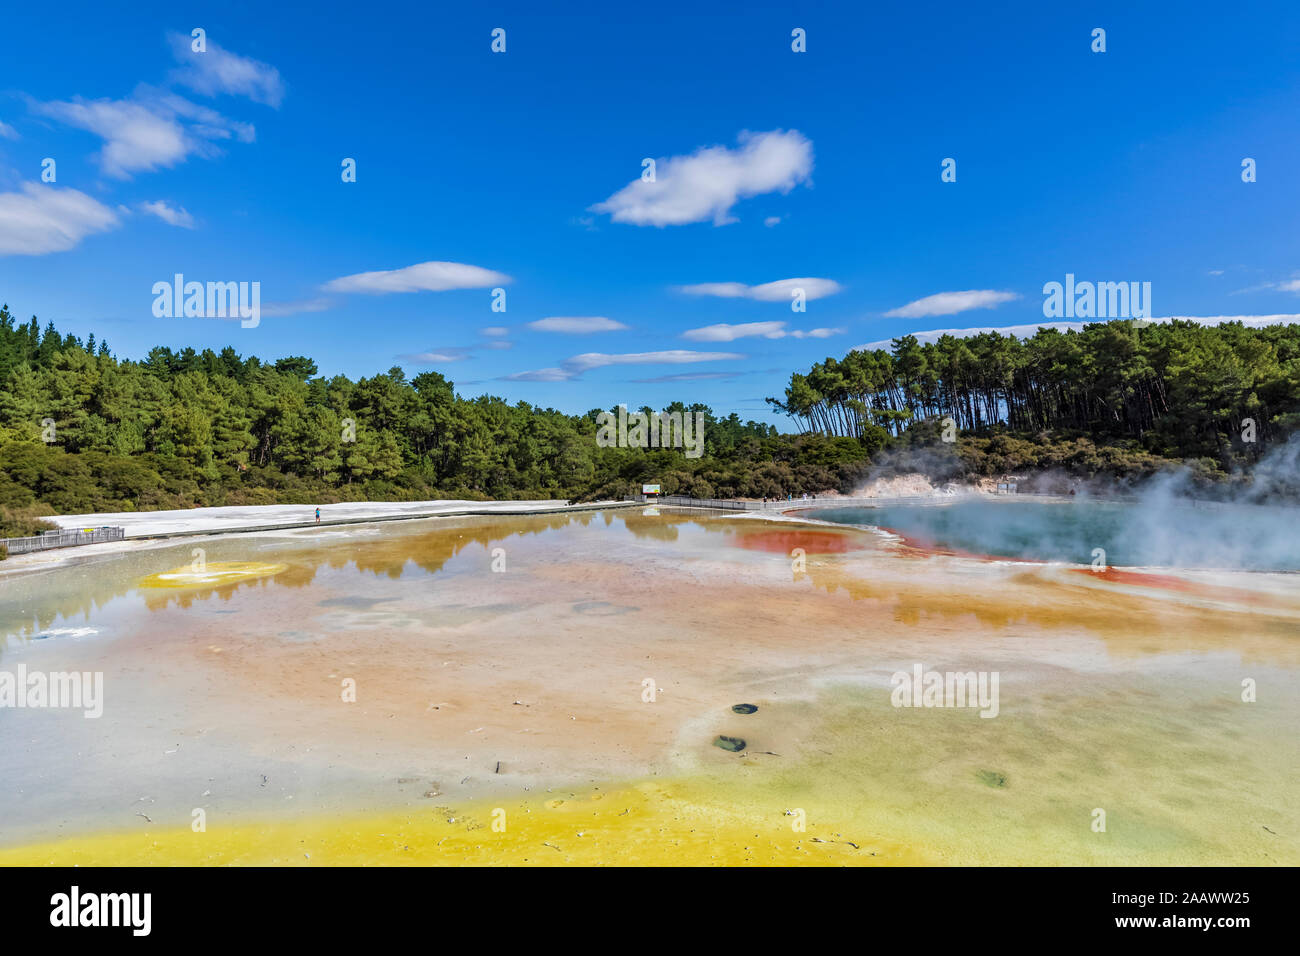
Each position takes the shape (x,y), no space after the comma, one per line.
(554,689)
(1149,532)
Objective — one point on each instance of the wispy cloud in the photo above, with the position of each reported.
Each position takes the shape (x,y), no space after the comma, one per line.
(494,330)
(590,360)
(688,377)
(278,309)
(574,367)
(172,215)
(438,356)
(540,375)
(455,353)
(7,131)
(422,277)
(782,290)
(157,128)
(707,183)
(1286,285)
(950,303)
(217,70)
(576,324)
(768,330)
(152,129)
(42,219)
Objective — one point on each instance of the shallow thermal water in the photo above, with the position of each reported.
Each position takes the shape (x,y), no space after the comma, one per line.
(1143,533)
(549,690)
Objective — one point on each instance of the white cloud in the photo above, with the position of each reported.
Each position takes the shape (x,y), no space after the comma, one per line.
(7,131)
(573,367)
(1286,285)
(781,290)
(1024,331)
(43,219)
(707,183)
(950,303)
(276,309)
(451,353)
(439,356)
(723,290)
(151,130)
(729,333)
(771,221)
(540,375)
(155,128)
(422,277)
(169,214)
(590,360)
(768,330)
(493,333)
(1215,272)
(576,324)
(687,377)
(217,70)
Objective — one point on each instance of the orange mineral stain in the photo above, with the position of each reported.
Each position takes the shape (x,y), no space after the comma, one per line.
(783,542)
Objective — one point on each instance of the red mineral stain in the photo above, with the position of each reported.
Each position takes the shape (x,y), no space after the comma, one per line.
(916,544)
(812,542)
(1169,582)
(1166,581)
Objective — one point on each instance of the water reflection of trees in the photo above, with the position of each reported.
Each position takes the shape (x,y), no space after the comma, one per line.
(93,584)
(904,587)
(660,527)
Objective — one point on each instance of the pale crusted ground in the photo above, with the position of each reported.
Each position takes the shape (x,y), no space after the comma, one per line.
(235,518)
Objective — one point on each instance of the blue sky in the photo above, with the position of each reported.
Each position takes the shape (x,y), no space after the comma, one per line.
(522,170)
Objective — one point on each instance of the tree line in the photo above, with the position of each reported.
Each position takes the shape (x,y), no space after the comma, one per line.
(81,430)
(84,431)
(1178,390)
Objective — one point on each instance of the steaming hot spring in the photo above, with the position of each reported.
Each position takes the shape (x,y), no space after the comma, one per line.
(1149,531)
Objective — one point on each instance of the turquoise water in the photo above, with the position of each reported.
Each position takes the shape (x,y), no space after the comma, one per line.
(1149,533)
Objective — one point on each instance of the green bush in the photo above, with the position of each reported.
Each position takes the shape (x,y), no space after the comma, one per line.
(23,522)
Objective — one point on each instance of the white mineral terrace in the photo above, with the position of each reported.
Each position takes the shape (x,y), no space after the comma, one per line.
(254,517)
